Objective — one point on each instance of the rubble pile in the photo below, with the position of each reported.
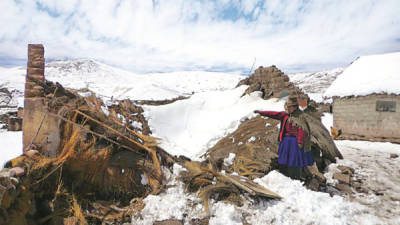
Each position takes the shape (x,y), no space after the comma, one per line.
(270,81)
(101,161)
(253,148)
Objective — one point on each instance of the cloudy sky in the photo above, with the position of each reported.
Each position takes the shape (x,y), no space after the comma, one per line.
(224,35)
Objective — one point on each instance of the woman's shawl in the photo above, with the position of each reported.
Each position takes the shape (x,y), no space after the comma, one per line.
(317,134)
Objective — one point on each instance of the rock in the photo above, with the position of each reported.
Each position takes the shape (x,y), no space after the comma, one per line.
(314,184)
(345,188)
(356,185)
(31,153)
(315,173)
(197,221)
(17,172)
(343,178)
(346,170)
(169,222)
(14,124)
(393,156)
(332,191)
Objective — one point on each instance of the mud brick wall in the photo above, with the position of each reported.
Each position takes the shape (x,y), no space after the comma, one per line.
(358,116)
(35,70)
(40,130)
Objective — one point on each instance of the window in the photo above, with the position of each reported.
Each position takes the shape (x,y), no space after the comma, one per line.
(385,106)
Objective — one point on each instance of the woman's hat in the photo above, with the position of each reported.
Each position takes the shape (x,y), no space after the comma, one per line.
(292,100)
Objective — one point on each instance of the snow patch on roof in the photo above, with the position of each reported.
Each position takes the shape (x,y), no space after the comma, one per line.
(371,74)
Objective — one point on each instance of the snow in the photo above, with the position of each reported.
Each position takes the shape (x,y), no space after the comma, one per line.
(137,125)
(225,214)
(229,161)
(173,203)
(327,120)
(11,143)
(251,139)
(144,179)
(367,75)
(298,206)
(190,127)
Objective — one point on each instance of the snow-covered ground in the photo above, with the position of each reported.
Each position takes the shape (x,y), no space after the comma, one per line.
(11,145)
(380,176)
(298,206)
(176,125)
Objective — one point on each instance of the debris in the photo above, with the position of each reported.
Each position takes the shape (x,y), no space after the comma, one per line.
(93,150)
(270,81)
(346,170)
(200,177)
(345,188)
(14,123)
(16,172)
(343,178)
(169,222)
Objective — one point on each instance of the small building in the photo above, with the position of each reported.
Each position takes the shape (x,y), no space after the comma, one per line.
(366,99)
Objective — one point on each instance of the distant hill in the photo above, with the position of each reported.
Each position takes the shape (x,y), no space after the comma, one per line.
(109,81)
(315,84)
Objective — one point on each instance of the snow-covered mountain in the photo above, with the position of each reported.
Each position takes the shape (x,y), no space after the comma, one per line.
(315,84)
(107,81)
(110,81)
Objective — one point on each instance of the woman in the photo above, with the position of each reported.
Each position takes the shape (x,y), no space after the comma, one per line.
(293,138)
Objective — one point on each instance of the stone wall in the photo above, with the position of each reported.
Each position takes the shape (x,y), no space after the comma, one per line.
(40,130)
(358,118)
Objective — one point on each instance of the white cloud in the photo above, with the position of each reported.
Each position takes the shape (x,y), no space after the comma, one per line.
(182,34)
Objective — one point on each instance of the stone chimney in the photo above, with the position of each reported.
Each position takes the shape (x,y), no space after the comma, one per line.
(40,130)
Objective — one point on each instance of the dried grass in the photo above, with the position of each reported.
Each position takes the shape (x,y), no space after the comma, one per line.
(77,212)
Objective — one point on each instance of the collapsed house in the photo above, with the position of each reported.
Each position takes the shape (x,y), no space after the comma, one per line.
(86,161)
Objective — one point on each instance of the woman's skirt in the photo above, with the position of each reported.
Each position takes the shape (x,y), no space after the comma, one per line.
(291,155)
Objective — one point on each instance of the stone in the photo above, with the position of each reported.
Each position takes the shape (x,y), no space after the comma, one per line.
(346,170)
(315,172)
(343,178)
(393,156)
(14,123)
(17,172)
(332,191)
(197,221)
(31,153)
(356,185)
(345,188)
(169,222)
(313,184)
